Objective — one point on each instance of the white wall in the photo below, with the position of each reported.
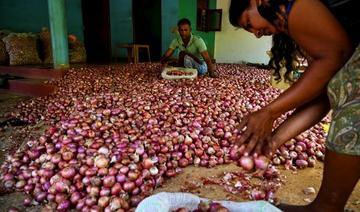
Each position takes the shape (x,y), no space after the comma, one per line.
(234,45)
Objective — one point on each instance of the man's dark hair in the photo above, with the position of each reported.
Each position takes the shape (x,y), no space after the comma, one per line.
(237,7)
(183,21)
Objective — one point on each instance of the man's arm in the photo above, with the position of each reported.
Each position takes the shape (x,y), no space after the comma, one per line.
(209,63)
(165,58)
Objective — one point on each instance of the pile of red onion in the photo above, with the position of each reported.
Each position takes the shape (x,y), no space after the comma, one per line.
(205,207)
(116,132)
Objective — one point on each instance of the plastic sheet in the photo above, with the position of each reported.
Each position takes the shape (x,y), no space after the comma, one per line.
(167,202)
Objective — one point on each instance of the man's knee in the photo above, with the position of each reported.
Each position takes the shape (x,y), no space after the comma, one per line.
(188,62)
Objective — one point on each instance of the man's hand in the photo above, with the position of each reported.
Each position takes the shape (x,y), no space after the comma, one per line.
(211,66)
(257,132)
(165,58)
(212,71)
(164,65)
(213,74)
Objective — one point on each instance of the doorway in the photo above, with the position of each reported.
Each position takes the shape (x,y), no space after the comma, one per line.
(97,35)
(147,26)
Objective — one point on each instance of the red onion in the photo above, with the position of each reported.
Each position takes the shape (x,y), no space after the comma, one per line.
(33,154)
(120,178)
(27,201)
(103,201)
(75,197)
(108,181)
(261,162)
(93,191)
(28,188)
(154,171)
(60,197)
(139,181)
(258,195)
(312,161)
(56,158)
(135,200)
(115,203)
(116,189)
(68,172)
(39,197)
(90,201)
(101,161)
(20,184)
(234,154)
(105,191)
(246,163)
(63,206)
(129,186)
(61,186)
(170,173)
(13,209)
(301,163)
(112,171)
(183,162)
(147,163)
(103,171)
(124,170)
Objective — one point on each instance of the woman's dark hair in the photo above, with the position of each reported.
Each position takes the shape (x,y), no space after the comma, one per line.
(283,53)
(237,7)
(283,47)
(183,21)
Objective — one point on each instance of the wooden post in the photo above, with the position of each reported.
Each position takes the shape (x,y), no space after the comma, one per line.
(58,28)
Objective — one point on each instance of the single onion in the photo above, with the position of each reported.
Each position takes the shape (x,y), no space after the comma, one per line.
(261,162)
(246,162)
(101,161)
(103,201)
(109,181)
(68,172)
(129,186)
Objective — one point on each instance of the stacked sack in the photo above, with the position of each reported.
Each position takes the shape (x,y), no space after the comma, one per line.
(3,54)
(77,52)
(34,49)
(22,48)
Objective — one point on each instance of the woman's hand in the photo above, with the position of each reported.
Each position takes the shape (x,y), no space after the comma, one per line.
(300,120)
(257,129)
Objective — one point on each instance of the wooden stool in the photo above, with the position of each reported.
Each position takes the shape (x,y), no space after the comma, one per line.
(133,51)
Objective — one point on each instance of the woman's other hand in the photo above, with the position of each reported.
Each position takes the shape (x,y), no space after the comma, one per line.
(256,130)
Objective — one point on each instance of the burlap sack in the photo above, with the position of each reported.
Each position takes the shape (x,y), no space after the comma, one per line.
(45,46)
(22,48)
(4,57)
(3,54)
(77,52)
